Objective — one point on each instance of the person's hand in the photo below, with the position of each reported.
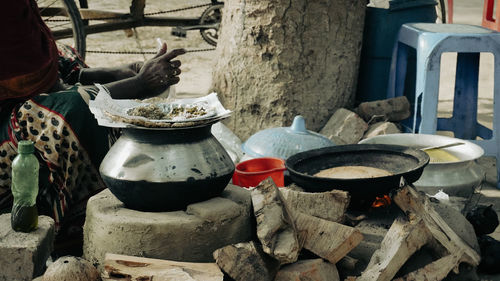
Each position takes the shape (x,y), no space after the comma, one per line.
(154,77)
(160,72)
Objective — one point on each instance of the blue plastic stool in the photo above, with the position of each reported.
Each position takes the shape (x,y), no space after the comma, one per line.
(430,41)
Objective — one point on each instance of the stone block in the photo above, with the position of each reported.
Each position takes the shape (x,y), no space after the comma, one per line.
(215,209)
(315,269)
(190,236)
(381,128)
(238,194)
(344,127)
(23,255)
(394,109)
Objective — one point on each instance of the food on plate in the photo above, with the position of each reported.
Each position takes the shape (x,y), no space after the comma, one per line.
(150,111)
(352,172)
(439,156)
(157,112)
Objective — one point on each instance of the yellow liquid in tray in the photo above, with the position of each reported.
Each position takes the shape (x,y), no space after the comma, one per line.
(440,156)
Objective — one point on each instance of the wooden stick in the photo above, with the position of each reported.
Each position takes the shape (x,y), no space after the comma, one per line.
(120,267)
(416,205)
(425,227)
(401,241)
(329,205)
(246,261)
(437,270)
(329,240)
(275,226)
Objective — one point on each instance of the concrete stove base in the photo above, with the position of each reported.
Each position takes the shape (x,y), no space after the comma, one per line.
(190,235)
(23,255)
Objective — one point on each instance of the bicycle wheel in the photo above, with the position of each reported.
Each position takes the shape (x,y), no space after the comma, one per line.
(63,18)
(441,11)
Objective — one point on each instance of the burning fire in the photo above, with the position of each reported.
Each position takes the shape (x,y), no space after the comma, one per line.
(381,201)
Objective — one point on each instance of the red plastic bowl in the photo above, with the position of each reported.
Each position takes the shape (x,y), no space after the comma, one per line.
(251,172)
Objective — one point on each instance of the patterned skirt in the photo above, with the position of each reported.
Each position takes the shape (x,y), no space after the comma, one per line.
(68,144)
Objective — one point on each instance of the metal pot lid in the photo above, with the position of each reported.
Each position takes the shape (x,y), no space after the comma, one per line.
(283,142)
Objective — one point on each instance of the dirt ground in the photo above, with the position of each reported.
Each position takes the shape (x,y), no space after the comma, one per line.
(197,66)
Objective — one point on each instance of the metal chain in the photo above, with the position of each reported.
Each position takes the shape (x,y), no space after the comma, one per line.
(178,10)
(142,53)
(145,14)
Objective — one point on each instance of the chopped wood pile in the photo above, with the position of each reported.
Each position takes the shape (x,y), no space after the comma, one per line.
(286,216)
(301,236)
(287,222)
(421,226)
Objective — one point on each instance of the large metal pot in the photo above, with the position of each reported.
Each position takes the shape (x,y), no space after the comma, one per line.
(165,170)
(458,178)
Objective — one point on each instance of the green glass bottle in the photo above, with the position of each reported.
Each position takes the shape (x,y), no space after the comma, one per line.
(24,188)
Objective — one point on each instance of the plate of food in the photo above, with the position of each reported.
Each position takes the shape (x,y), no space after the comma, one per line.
(172,112)
(156,112)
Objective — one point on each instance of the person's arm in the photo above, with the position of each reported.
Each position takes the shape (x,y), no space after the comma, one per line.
(129,88)
(102,75)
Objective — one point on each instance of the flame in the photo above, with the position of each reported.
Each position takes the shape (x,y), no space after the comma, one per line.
(381,201)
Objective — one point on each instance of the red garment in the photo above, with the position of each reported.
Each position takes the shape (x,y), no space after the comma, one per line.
(27,49)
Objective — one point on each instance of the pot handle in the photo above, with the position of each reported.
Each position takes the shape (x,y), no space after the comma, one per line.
(299,125)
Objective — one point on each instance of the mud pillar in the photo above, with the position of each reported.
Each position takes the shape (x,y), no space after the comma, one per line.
(280,58)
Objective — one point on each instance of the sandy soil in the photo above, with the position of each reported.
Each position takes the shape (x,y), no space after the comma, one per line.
(197,67)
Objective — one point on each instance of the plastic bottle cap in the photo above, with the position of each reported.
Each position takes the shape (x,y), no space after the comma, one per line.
(25,146)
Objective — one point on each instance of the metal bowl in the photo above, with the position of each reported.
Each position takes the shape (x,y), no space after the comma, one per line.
(458,178)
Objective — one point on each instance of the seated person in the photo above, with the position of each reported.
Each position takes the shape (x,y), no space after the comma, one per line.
(38,103)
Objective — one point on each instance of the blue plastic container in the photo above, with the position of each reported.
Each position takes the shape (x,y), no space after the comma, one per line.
(379,36)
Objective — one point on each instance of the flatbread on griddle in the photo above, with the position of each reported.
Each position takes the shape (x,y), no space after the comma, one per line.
(352,172)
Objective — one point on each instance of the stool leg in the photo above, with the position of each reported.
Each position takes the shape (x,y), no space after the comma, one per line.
(450,11)
(397,79)
(496,115)
(398,71)
(464,120)
(498,171)
(488,20)
(497,19)
(427,91)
